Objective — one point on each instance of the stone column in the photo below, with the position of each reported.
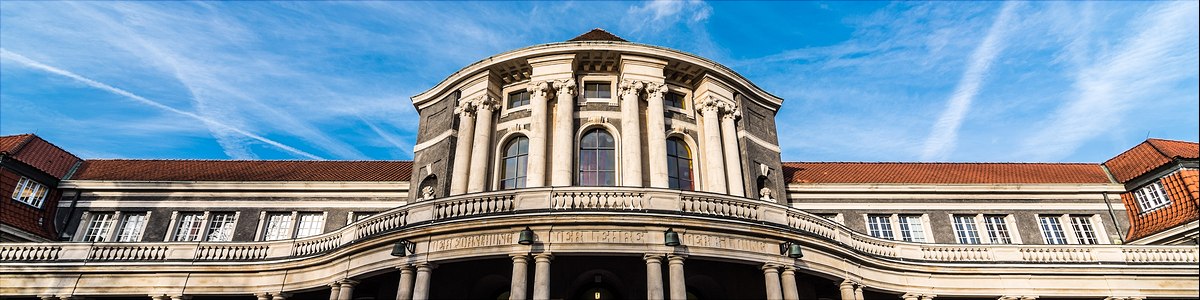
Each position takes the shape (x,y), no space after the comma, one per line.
(911,296)
(347,291)
(152,297)
(678,285)
(462,147)
(928,297)
(274,296)
(405,290)
(421,287)
(267,296)
(847,289)
(714,166)
(482,143)
(733,154)
(631,134)
(520,277)
(535,167)
(541,276)
(334,290)
(858,292)
(656,137)
(174,297)
(564,134)
(790,290)
(771,276)
(654,282)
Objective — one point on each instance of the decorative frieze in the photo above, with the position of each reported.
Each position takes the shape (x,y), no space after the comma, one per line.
(598,236)
(472,241)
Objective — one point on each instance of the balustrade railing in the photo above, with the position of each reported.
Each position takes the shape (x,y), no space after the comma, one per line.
(584,200)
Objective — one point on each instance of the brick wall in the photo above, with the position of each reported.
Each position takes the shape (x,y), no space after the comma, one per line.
(24,216)
(1183,188)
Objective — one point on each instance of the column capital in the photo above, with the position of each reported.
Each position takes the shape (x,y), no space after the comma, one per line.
(787,269)
(770,267)
(425,266)
(928,296)
(656,90)
(847,284)
(173,297)
(631,88)
(540,88)
(267,295)
(543,257)
(676,258)
(347,282)
(465,108)
(280,296)
(485,102)
(519,256)
(650,256)
(405,267)
(565,88)
(721,105)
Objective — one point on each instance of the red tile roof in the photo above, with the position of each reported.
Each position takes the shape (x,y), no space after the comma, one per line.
(243,170)
(1149,155)
(38,153)
(942,173)
(597,35)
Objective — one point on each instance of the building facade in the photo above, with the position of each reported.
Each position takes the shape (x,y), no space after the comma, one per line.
(598,168)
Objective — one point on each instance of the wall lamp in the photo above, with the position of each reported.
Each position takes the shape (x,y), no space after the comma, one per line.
(791,249)
(526,237)
(671,238)
(403,247)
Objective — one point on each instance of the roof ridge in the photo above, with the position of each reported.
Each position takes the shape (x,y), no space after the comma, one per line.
(240,160)
(24,141)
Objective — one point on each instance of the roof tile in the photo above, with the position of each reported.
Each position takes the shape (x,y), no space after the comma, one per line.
(243,170)
(1149,155)
(942,173)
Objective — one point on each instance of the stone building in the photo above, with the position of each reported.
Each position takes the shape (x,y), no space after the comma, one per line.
(598,168)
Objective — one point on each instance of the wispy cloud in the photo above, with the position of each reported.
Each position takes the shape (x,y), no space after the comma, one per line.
(944,137)
(1159,50)
(40,66)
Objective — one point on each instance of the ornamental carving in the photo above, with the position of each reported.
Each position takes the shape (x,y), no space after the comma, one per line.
(656,91)
(486,102)
(538,89)
(465,108)
(721,105)
(631,88)
(565,88)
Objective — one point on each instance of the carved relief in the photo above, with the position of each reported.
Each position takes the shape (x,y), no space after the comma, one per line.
(598,236)
(655,91)
(486,102)
(565,88)
(631,88)
(538,89)
(474,241)
(465,108)
(700,240)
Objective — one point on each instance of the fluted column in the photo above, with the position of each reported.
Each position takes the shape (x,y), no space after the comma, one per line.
(771,276)
(678,285)
(564,134)
(347,291)
(535,167)
(733,154)
(656,137)
(421,286)
(715,177)
(334,290)
(405,290)
(847,289)
(631,134)
(482,143)
(790,290)
(654,282)
(462,148)
(541,276)
(520,277)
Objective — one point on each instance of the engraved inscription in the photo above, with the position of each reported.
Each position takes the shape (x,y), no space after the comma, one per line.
(483,240)
(699,240)
(598,236)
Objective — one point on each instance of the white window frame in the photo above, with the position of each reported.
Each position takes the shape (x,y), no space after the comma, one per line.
(320,226)
(261,234)
(175,219)
(36,197)
(985,236)
(211,216)
(688,103)
(613,89)
(1151,197)
(121,226)
(103,233)
(354,216)
(894,222)
(1068,228)
(512,88)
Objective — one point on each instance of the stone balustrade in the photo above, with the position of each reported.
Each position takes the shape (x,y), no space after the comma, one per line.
(633,201)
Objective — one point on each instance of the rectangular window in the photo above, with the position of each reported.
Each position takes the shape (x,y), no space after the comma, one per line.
(279,226)
(359,216)
(965,229)
(310,224)
(1052,230)
(911,228)
(1151,197)
(132,226)
(220,227)
(188,227)
(997,229)
(30,192)
(880,226)
(518,99)
(674,100)
(1085,233)
(99,228)
(597,90)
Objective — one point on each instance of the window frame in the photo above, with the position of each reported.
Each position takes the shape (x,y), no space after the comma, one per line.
(691,165)
(208,225)
(896,231)
(293,228)
(177,220)
(615,150)
(123,224)
(36,197)
(1069,231)
(102,233)
(511,89)
(1151,197)
(581,88)
(503,157)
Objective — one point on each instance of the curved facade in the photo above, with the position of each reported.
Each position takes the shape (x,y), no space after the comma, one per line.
(595,169)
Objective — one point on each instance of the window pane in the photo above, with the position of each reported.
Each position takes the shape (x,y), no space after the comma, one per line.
(188,227)
(310,224)
(279,226)
(997,229)
(880,226)
(220,228)
(514,166)
(131,228)
(99,227)
(1052,230)
(911,229)
(965,230)
(606,160)
(604,140)
(1084,231)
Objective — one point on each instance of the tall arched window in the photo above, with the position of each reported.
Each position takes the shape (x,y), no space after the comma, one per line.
(597,159)
(512,169)
(679,165)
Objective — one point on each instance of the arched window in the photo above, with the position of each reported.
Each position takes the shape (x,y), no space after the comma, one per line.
(679,165)
(512,169)
(597,159)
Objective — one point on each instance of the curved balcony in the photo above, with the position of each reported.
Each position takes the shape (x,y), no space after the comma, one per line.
(584,200)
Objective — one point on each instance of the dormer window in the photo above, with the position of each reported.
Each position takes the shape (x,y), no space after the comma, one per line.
(597,90)
(1151,197)
(30,192)
(518,99)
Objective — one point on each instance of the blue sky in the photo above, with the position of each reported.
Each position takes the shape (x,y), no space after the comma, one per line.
(862,81)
